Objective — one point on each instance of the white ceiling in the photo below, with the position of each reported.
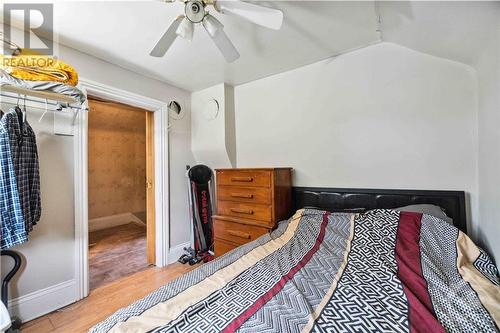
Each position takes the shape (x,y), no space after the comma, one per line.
(449,29)
(123,33)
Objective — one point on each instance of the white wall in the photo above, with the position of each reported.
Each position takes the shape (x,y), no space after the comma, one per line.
(230,125)
(382,117)
(180,155)
(212,140)
(488,69)
(50,252)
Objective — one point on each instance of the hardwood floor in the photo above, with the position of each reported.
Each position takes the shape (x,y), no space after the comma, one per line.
(116,252)
(104,301)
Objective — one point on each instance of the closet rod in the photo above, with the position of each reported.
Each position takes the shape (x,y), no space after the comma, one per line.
(61,105)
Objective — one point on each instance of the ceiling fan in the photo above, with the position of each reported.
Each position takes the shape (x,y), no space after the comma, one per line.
(195,11)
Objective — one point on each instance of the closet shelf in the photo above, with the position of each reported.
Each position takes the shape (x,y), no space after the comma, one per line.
(59,101)
(39,94)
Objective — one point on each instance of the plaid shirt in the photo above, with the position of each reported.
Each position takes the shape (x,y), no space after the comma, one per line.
(25,158)
(13,229)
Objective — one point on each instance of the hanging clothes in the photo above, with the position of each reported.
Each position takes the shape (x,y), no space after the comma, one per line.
(25,159)
(20,202)
(13,227)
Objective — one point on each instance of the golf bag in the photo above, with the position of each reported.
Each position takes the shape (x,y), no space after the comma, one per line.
(200,204)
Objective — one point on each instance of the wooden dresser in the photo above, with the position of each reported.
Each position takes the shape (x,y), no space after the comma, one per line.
(249,204)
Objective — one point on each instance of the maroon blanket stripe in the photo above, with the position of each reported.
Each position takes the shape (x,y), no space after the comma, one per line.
(421,314)
(259,303)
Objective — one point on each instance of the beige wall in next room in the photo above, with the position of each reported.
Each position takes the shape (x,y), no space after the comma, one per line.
(117,159)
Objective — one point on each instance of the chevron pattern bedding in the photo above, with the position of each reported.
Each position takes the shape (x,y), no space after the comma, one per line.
(381,271)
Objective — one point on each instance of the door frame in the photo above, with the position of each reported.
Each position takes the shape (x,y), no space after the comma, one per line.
(161,172)
(150,190)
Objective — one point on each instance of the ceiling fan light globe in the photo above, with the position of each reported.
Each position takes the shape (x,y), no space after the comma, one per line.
(212,25)
(185,29)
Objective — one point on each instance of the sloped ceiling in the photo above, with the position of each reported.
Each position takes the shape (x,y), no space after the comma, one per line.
(123,33)
(453,30)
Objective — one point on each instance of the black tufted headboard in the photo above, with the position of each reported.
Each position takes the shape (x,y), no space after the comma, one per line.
(337,199)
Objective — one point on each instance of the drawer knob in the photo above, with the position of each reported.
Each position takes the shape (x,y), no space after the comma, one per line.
(242,211)
(240,234)
(242,195)
(242,179)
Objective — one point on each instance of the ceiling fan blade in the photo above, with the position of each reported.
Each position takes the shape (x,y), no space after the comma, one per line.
(224,44)
(167,39)
(264,16)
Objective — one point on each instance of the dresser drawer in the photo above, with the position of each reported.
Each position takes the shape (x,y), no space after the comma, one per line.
(252,178)
(244,210)
(222,247)
(260,195)
(237,232)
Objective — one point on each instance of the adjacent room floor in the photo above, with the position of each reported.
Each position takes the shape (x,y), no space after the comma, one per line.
(104,301)
(116,252)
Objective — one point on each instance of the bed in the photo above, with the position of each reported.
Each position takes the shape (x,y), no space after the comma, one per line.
(346,261)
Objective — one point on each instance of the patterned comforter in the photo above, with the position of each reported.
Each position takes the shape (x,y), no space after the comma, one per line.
(381,271)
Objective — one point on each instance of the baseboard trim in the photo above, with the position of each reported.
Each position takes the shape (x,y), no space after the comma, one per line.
(113,221)
(43,301)
(175,252)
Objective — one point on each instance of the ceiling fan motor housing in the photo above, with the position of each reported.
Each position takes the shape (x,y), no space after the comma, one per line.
(195,11)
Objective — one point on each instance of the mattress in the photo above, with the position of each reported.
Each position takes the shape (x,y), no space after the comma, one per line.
(379,271)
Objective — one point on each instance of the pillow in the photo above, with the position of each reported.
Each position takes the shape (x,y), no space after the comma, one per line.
(428,209)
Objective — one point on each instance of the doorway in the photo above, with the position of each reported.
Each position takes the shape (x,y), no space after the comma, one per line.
(120,191)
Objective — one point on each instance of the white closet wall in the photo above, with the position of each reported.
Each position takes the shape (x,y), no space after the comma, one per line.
(49,253)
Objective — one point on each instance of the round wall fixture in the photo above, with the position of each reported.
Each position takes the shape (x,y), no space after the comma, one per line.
(211,109)
(175,110)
